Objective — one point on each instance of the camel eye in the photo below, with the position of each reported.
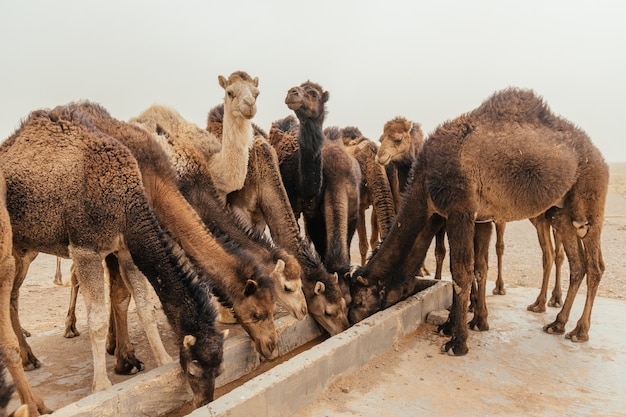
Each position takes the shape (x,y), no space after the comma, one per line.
(258,317)
(328,313)
(287,289)
(230,94)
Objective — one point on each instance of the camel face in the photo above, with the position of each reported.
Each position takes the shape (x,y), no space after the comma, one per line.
(366,300)
(288,292)
(307,100)
(395,142)
(202,366)
(241,93)
(255,313)
(328,308)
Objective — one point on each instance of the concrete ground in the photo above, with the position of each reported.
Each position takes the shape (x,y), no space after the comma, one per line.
(513,369)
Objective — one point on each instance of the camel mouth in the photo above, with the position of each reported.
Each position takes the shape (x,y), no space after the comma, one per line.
(248,112)
(383,159)
(293,104)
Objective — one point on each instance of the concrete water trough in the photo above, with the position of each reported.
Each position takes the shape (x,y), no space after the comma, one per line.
(279,388)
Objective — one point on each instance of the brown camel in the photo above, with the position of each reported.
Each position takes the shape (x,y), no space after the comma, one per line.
(243,283)
(102,209)
(375,190)
(509,159)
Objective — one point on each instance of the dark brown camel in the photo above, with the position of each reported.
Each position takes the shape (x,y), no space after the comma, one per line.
(509,159)
(264,201)
(321,179)
(400,143)
(102,208)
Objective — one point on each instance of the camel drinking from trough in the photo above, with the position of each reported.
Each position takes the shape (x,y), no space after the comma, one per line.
(509,159)
(102,209)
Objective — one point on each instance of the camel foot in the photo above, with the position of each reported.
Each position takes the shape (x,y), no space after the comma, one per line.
(578,335)
(499,291)
(537,307)
(445,329)
(554,328)
(25,332)
(33,410)
(424,272)
(30,363)
(71,332)
(129,366)
(555,301)
(479,323)
(455,348)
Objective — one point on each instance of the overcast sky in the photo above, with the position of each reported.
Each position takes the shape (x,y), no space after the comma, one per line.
(426,60)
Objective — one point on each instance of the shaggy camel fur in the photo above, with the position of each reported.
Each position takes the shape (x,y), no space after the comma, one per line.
(195,181)
(509,159)
(243,283)
(102,209)
(375,190)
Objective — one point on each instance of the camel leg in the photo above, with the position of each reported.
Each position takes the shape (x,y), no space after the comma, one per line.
(460,229)
(361,231)
(90,275)
(482,236)
(375,233)
(137,283)
(10,344)
(542,227)
(70,318)
(118,339)
(22,262)
(499,288)
(585,258)
(440,251)
(58,275)
(557,299)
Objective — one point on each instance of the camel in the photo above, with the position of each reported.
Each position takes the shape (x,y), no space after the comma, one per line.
(509,159)
(243,283)
(194,179)
(375,190)
(101,209)
(400,143)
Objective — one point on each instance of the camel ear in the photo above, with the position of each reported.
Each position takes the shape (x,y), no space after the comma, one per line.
(256,81)
(194,369)
(408,125)
(334,279)
(325,96)
(223,81)
(362,281)
(189,340)
(280,266)
(225,333)
(319,288)
(251,287)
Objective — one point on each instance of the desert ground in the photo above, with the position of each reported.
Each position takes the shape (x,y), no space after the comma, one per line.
(43,305)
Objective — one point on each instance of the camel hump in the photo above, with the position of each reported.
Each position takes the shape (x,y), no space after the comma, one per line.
(516,105)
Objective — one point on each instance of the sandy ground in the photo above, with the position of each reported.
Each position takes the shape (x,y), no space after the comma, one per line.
(66,372)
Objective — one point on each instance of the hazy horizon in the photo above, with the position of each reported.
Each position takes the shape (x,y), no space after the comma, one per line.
(427,61)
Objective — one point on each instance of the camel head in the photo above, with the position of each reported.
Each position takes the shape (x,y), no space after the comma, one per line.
(288,286)
(255,313)
(241,93)
(395,142)
(202,360)
(308,101)
(327,305)
(367,298)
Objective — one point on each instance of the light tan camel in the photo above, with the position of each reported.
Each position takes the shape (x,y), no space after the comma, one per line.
(509,159)
(102,209)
